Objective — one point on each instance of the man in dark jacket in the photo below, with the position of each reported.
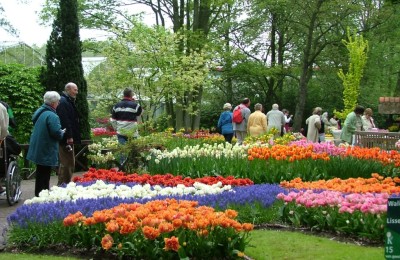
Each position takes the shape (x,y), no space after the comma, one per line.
(69,119)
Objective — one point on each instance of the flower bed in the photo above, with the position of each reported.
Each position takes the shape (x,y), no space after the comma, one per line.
(353,207)
(103,131)
(263,163)
(161,229)
(158,179)
(204,231)
(322,187)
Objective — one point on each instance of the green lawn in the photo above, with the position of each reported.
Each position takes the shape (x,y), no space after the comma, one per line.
(275,244)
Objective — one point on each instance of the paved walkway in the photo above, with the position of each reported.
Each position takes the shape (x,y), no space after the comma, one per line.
(28,192)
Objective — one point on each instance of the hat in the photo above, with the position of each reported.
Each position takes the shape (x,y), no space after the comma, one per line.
(227,106)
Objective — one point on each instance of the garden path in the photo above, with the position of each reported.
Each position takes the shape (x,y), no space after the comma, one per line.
(28,192)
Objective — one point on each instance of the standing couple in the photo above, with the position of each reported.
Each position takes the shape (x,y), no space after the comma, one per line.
(56,130)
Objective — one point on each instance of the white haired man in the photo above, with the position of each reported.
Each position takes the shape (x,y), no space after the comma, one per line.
(69,119)
(275,119)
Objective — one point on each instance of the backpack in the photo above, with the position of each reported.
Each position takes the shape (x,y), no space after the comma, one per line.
(237,115)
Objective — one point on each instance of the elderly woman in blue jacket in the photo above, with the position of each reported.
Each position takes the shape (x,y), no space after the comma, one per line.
(43,145)
(225,123)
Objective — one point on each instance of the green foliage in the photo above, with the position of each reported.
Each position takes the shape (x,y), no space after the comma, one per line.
(358,49)
(20,87)
(156,69)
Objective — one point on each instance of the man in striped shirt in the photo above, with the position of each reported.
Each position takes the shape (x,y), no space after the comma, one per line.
(124,117)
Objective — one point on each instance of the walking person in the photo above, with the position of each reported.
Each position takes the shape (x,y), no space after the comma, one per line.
(225,123)
(69,119)
(240,121)
(257,124)
(352,123)
(44,141)
(124,118)
(314,125)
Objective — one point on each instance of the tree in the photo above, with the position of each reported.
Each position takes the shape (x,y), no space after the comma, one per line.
(149,60)
(262,38)
(358,49)
(64,59)
(285,51)
(194,18)
(315,27)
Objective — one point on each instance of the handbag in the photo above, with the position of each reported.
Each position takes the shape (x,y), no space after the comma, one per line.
(12,145)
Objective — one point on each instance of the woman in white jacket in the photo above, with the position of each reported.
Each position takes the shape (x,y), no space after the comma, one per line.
(367,120)
(3,122)
(313,125)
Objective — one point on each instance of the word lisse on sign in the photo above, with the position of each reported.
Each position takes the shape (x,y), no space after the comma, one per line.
(392,238)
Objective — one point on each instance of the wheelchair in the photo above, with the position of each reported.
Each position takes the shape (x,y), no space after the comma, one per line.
(9,174)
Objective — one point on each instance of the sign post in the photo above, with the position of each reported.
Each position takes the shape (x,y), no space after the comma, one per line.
(392,237)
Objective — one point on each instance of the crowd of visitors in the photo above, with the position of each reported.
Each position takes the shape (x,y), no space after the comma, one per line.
(242,123)
(280,122)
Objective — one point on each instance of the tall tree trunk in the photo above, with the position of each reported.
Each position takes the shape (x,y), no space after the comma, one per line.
(397,90)
(179,113)
(306,69)
(228,63)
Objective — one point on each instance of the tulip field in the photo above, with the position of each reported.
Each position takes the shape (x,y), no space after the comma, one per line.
(196,197)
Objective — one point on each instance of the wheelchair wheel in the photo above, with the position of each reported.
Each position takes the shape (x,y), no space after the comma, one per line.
(13,184)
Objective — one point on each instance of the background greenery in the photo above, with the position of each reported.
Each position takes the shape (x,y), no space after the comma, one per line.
(198,57)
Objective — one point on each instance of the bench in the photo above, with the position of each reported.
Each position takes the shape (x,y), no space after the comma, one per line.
(383,140)
(78,157)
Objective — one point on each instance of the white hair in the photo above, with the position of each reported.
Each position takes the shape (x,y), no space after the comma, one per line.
(51,97)
(275,106)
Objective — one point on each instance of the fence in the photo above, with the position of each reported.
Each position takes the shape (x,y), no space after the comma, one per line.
(383,140)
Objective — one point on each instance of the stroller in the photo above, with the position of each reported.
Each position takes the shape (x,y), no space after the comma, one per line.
(9,172)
